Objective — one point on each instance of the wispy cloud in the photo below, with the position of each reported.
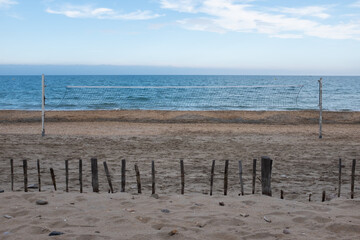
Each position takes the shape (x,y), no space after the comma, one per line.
(244,16)
(7,3)
(73,11)
(355,4)
(312,11)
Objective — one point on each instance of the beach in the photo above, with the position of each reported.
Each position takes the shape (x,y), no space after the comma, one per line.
(303,164)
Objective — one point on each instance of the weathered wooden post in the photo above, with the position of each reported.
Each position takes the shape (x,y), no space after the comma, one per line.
(253,176)
(138,181)
(152,177)
(266,168)
(43,105)
(123,177)
(212,177)
(339,187)
(108,177)
(39,176)
(241,178)
(226,177)
(80,176)
(182,176)
(94,174)
(25,175)
(320,108)
(353,178)
(67,175)
(12,173)
(53,178)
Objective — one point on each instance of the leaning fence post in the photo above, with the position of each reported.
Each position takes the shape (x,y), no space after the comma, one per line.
(25,175)
(226,177)
(12,173)
(80,176)
(339,187)
(152,177)
(266,167)
(353,178)
(53,177)
(67,175)
(94,173)
(123,177)
(254,176)
(39,176)
(212,177)
(241,178)
(182,176)
(108,177)
(138,181)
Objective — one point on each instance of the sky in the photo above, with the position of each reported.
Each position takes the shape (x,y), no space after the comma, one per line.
(317,37)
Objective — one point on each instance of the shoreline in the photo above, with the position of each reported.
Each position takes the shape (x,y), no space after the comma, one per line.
(165,116)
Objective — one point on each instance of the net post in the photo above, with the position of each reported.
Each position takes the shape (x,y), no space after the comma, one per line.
(43,105)
(320,108)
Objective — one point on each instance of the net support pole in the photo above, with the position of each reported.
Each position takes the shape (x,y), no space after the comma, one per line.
(43,105)
(320,108)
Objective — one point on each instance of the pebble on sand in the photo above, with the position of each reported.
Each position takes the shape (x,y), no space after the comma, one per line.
(173,232)
(55,233)
(286,231)
(155,195)
(33,186)
(165,210)
(200,225)
(41,202)
(267,219)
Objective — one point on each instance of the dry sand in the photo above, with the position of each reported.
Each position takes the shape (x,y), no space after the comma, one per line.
(303,163)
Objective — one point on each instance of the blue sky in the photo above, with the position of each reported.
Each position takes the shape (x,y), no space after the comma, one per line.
(222,36)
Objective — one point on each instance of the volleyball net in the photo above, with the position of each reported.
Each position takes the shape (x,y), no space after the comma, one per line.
(181,98)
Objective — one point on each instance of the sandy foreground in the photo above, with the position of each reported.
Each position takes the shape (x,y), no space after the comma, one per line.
(303,164)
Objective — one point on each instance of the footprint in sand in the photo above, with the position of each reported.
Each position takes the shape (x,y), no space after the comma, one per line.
(344,228)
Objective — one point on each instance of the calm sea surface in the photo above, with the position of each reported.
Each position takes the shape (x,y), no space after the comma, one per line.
(168,92)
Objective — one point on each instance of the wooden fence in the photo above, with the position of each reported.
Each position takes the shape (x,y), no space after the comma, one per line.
(264,179)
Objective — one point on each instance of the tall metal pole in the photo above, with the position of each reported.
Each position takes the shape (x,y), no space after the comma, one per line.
(320,107)
(43,106)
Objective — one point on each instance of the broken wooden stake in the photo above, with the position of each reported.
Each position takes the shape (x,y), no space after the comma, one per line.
(266,168)
(94,175)
(226,177)
(212,177)
(53,178)
(138,181)
(108,177)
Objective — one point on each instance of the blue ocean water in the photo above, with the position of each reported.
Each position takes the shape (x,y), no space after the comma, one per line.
(198,92)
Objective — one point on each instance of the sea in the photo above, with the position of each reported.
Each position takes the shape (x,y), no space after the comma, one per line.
(180,92)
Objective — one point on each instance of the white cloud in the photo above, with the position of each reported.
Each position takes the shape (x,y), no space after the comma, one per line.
(72,11)
(241,16)
(188,6)
(7,3)
(313,11)
(287,36)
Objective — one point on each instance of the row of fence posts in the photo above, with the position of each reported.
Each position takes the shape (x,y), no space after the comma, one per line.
(266,169)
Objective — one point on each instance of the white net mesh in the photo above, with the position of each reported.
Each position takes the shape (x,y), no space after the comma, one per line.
(261,97)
